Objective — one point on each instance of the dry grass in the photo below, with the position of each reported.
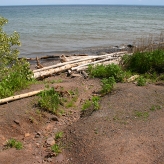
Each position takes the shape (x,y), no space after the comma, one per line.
(149,44)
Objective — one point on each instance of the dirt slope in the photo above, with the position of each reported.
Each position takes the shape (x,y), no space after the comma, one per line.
(127,129)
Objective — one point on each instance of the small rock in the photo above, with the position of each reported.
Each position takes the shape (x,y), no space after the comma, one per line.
(38,133)
(27,134)
(17,122)
(50,141)
(54,118)
(37,136)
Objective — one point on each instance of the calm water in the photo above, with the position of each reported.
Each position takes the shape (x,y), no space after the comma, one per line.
(49,29)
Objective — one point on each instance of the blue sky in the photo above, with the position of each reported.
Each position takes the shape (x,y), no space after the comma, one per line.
(42,2)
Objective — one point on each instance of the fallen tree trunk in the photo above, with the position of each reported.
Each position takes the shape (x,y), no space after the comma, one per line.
(78,69)
(49,72)
(95,62)
(80,60)
(12,98)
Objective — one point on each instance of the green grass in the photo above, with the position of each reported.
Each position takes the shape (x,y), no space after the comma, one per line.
(93,102)
(155,107)
(143,62)
(111,70)
(49,100)
(12,143)
(56,149)
(59,135)
(19,77)
(141,114)
(86,105)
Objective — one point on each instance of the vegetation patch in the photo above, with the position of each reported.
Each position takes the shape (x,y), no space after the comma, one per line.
(49,100)
(107,85)
(56,149)
(106,71)
(12,143)
(141,114)
(15,74)
(141,81)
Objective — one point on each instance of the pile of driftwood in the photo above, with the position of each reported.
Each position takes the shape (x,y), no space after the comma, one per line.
(70,64)
(76,63)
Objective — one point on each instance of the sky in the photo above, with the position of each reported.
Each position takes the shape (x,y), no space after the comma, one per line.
(57,2)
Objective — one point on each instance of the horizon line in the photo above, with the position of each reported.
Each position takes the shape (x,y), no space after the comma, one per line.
(82,4)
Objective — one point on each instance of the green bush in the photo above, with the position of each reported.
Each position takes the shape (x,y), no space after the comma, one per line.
(143,62)
(111,70)
(141,81)
(107,85)
(49,100)
(15,74)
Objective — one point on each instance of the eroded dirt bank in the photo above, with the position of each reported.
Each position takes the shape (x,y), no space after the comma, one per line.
(128,128)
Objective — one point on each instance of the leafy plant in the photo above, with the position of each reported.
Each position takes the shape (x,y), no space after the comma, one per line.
(15,74)
(86,105)
(141,81)
(49,100)
(12,143)
(107,85)
(59,135)
(56,149)
(95,102)
(111,70)
(143,62)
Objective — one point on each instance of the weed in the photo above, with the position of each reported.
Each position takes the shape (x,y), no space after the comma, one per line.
(86,105)
(12,143)
(59,135)
(70,104)
(95,102)
(107,85)
(111,70)
(141,81)
(155,107)
(141,114)
(56,149)
(143,62)
(49,100)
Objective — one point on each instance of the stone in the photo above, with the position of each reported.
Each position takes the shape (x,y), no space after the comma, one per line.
(17,122)
(54,118)
(50,141)
(27,134)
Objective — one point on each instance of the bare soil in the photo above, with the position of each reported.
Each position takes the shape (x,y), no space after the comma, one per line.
(126,129)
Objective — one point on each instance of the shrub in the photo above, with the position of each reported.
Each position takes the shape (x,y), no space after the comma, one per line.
(107,85)
(49,100)
(141,81)
(111,70)
(143,62)
(15,74)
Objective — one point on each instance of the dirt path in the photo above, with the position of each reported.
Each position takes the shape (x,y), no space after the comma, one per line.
(127,129)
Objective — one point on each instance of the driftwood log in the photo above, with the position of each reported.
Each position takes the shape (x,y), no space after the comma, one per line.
(79,60)
(12,98)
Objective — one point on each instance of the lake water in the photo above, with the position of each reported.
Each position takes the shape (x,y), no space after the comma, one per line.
(46,30)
